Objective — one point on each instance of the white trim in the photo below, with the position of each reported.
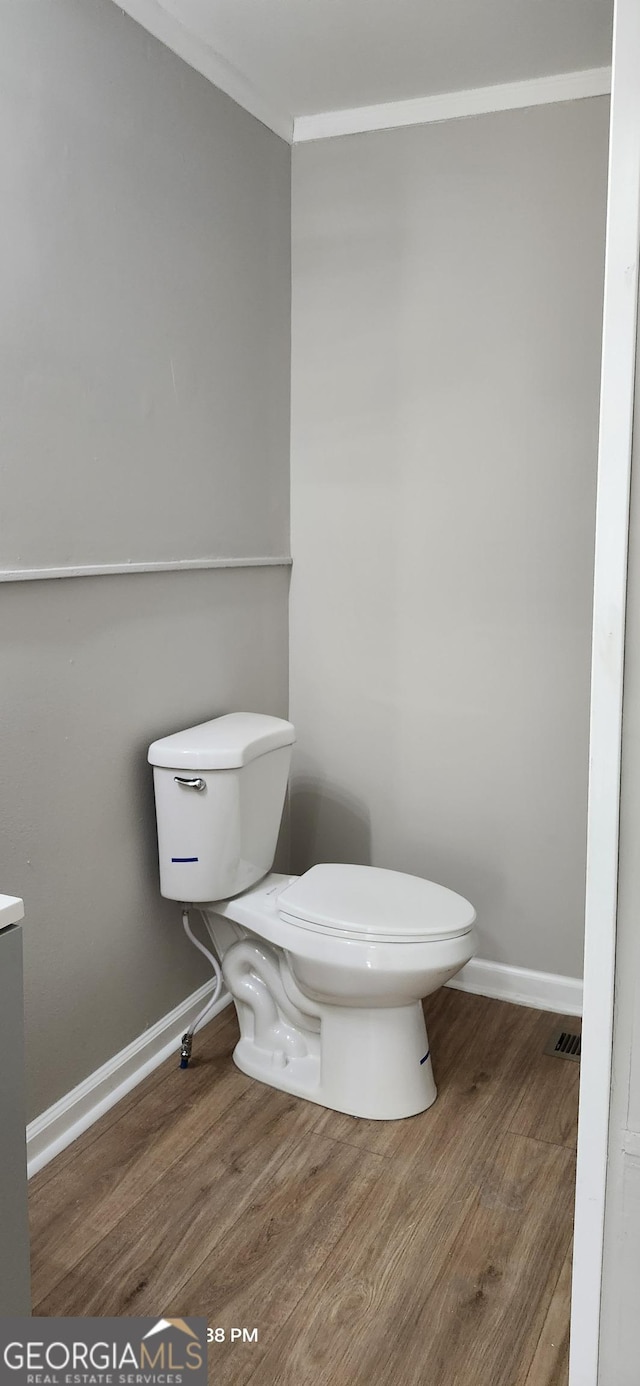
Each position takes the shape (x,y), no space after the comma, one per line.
(77,1110)
(612,525)
(631,1144)
(174,565)
(11,910)
(199,54)
(454,105)
(153,16)
(544,990)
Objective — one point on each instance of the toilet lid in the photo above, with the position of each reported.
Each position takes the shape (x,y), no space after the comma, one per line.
(367,902)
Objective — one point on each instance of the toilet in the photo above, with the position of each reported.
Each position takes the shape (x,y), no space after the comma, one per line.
(327,970)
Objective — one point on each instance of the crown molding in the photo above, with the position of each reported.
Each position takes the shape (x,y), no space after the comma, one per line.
(388,115)
(454,105)
(153,17)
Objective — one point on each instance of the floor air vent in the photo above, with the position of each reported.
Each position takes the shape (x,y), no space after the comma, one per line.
(565,1044)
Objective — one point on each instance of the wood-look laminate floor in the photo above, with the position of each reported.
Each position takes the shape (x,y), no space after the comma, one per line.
(428,1252)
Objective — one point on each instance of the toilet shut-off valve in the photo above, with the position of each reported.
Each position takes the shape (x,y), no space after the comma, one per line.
(185,1051)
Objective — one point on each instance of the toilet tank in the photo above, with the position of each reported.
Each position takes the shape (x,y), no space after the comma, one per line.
(220,789)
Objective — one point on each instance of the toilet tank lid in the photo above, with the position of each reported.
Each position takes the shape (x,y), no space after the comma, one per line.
(224,743)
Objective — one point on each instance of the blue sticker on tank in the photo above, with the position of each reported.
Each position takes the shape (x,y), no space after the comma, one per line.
(184,858)
(423,1061)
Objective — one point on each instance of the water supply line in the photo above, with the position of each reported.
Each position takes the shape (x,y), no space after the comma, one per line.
(187,1038)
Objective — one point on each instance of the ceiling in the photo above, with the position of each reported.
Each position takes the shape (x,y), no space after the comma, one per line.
(300,57)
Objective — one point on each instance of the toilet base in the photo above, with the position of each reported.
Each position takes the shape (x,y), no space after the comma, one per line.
(371,1063)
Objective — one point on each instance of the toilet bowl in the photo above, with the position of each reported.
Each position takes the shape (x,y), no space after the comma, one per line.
(327,970)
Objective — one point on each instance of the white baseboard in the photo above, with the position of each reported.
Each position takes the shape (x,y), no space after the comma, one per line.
(544,990)
(78,1109)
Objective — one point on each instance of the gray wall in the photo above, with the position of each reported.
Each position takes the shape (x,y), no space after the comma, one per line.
(145,309)
(144,399)
(446,339)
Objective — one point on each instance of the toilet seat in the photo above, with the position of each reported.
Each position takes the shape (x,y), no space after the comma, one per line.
(371,904)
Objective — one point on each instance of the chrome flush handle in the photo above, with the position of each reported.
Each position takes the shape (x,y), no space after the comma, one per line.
(196,783)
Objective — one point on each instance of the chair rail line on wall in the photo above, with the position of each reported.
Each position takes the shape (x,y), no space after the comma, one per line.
(172,565)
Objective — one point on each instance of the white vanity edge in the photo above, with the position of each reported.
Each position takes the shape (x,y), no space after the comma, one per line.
(11,910)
